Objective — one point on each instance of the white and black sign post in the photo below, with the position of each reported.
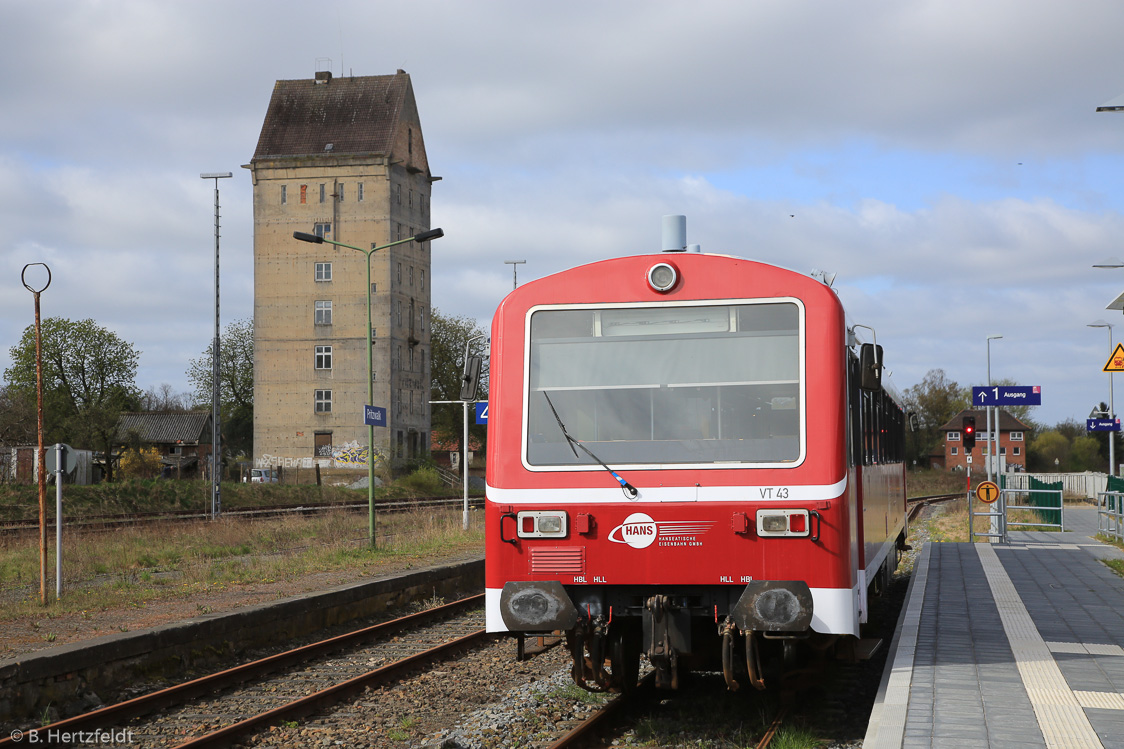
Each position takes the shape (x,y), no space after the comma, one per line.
(60,461)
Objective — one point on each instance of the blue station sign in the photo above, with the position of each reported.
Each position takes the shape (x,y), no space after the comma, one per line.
(481,412)
(374,416)
(1007,395)
(1102,425)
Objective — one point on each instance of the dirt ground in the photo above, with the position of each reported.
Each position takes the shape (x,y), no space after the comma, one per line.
(32,633)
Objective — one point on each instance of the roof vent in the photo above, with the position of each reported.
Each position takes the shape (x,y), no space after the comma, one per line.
(674,233)
(324,76)
(329,147)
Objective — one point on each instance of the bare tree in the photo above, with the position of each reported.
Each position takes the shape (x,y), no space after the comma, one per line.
(163,398)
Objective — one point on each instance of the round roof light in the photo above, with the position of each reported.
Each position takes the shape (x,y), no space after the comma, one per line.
(662,277)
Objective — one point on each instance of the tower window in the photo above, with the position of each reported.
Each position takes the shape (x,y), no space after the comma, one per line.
(323,357)
(284,194)
(322,230)
(323,312)
(323,400)
(323,271)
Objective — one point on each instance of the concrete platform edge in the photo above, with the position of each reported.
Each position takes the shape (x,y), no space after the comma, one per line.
(886,728)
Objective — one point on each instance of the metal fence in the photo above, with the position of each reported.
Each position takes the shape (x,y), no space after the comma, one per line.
(1110,514)
(1088,484)
(1037,501)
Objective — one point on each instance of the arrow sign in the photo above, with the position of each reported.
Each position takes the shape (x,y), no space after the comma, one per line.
(1007,395)
(1115,362)
(1102,425)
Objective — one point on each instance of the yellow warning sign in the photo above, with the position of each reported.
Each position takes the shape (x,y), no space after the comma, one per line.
(987,491)
(1115,362)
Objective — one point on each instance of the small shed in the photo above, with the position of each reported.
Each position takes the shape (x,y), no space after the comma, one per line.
(183,439)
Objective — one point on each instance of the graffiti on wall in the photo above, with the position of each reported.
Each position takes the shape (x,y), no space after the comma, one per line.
(348,455)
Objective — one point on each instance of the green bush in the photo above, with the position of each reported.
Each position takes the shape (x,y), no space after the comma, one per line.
(425,481)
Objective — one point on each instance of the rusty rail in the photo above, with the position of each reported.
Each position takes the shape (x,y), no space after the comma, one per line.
(116,715)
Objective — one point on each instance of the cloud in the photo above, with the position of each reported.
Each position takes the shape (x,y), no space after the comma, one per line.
(943,157)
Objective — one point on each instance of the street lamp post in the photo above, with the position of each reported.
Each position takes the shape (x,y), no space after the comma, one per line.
(1111,403)
(997,519)
(216,434)
(424,236)
(992,453)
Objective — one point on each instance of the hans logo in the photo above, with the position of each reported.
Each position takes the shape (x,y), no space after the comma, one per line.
(638,531)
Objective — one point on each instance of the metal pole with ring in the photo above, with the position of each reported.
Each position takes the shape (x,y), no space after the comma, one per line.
(41,453)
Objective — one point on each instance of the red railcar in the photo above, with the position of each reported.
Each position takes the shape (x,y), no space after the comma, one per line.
(689,455)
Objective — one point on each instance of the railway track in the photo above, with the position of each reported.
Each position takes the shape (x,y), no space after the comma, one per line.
(215,710)
(109,522)
(914,505)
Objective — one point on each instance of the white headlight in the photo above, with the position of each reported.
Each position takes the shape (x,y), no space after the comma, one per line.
(541,524)
(662,277)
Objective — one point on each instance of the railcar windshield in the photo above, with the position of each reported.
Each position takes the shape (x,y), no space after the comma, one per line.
(668,385)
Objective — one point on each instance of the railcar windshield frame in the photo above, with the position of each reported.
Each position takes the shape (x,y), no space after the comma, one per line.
(700,384)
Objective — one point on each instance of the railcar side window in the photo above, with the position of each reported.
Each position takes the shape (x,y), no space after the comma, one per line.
(877,424)
(670,385)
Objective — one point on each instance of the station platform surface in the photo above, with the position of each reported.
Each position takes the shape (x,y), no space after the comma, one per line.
(1008,645)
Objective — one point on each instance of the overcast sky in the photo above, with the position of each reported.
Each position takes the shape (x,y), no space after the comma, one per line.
(943,157)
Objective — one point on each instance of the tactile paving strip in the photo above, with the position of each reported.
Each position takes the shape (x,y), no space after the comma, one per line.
(1101,700)
(1060,715)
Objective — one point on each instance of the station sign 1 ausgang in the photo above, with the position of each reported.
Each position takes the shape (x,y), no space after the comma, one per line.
(1007,395)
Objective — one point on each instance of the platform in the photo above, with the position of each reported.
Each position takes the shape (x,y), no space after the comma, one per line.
(1005,646)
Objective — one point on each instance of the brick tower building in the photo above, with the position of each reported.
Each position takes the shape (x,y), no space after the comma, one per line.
(342,158)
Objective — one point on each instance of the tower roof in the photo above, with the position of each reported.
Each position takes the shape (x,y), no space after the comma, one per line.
(358,115)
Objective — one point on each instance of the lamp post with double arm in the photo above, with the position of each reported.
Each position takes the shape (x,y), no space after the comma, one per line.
(424,236)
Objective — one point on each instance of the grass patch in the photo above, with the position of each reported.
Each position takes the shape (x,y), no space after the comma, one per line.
(700,715)
(1116,565)
(926,483)
(574,693)
(950,521)
(136,566)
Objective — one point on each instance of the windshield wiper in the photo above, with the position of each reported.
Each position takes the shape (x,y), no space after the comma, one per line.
(629,490)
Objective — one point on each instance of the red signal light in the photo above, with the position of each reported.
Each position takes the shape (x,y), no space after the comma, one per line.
(969,428)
